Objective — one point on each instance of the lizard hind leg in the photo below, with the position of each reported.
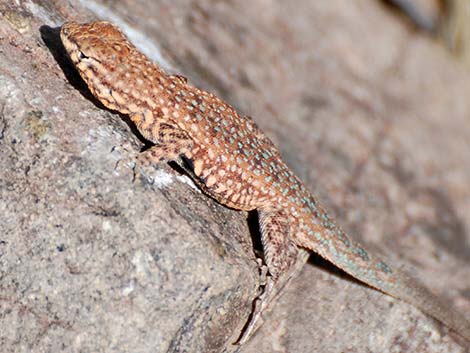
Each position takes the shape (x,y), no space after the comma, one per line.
(280,252)
(283,259)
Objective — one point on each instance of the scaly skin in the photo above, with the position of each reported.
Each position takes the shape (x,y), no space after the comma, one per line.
(234,162)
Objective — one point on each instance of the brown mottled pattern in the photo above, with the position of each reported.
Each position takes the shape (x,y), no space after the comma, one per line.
(233,161)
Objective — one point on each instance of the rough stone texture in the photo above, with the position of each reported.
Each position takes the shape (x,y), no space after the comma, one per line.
(372,115)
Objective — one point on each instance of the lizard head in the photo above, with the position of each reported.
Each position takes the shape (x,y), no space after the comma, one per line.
(110,65)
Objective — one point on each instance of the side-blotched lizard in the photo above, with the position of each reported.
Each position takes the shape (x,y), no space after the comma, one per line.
(233,162)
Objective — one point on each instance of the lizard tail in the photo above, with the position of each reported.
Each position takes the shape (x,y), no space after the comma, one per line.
(330,242)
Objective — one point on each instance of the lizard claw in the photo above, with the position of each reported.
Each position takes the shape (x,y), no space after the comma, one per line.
(124,156)
(142,164)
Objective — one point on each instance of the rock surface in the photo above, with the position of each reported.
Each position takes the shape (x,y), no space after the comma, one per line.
(373,116)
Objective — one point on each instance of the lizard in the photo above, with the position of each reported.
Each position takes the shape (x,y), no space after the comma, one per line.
(235,163)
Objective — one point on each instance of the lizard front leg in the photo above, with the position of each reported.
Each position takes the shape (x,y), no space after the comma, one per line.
(170,141)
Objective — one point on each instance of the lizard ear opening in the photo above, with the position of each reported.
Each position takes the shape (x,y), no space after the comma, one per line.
(82,56)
